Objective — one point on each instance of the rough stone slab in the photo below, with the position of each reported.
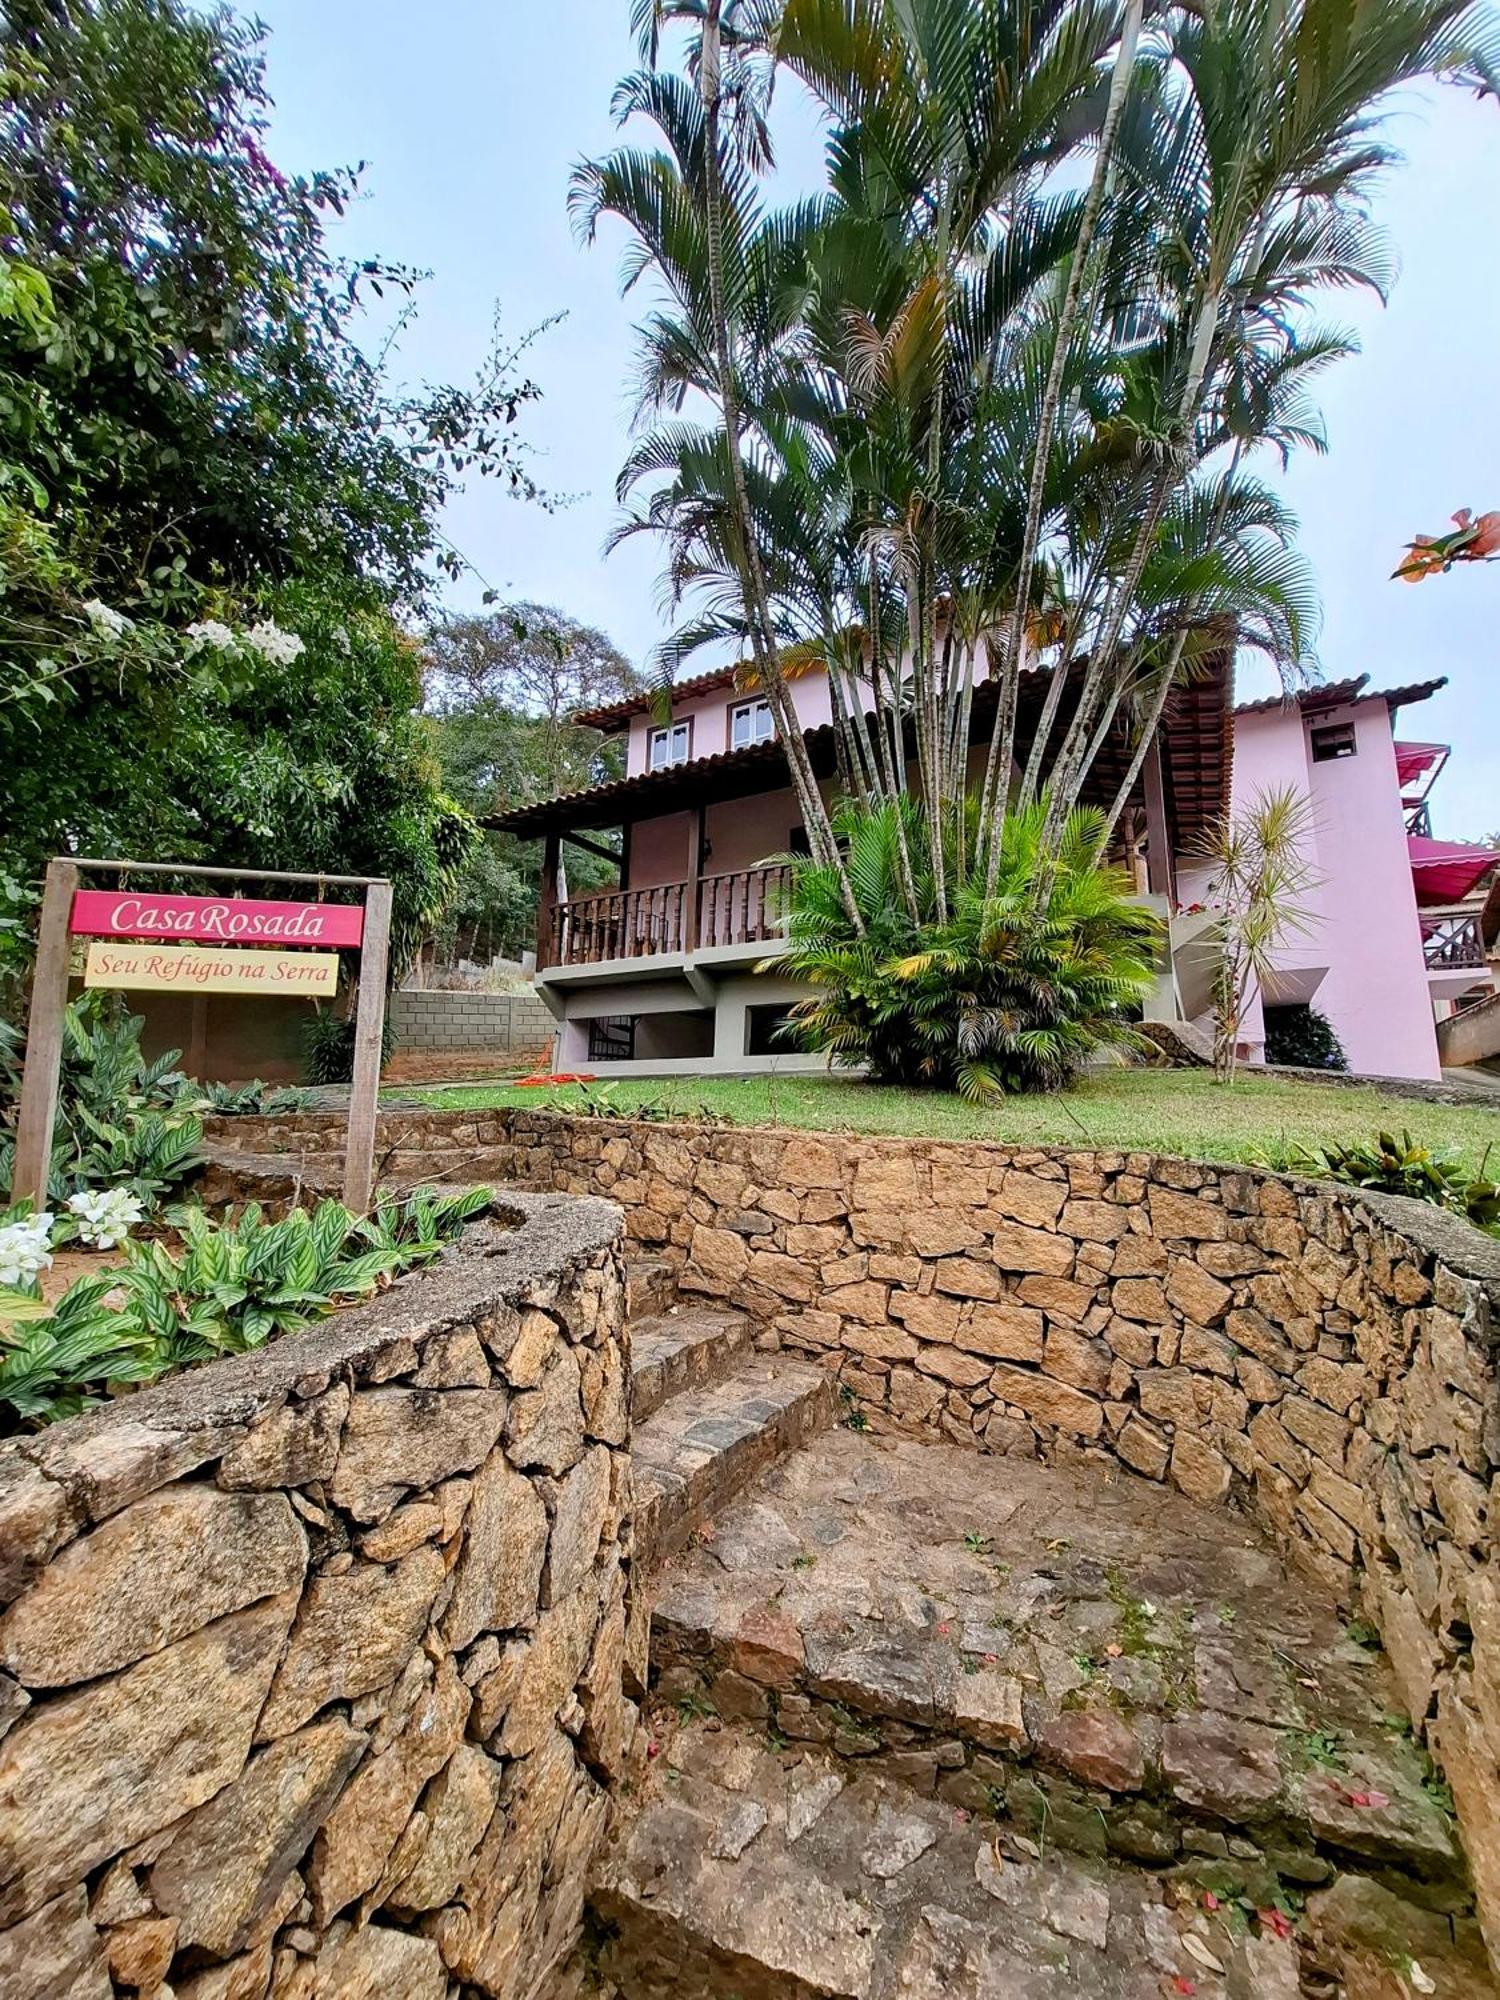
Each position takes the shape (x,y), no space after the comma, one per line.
(375,1811)
(399,1439)
(226,1864)
(292,1446)
(354,1633)
(1052,1628)
(872,1894)
(500,1566)
(156,1571)
(700,1449)
(55,1951)
(374,1963)
(86,1775)
(670,1352)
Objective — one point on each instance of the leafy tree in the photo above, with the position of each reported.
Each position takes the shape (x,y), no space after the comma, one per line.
(502,691)
(1006,992)
(191,436)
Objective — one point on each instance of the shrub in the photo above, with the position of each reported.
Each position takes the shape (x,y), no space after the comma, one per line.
(1434,1174)
(328,1045)
(122,1121)
(1303,1038)
(999,994)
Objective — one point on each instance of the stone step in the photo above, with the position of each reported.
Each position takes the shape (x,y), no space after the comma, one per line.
(1118,1670)
(650,1286)
(781,1875)
(685,1349)
(702,1446)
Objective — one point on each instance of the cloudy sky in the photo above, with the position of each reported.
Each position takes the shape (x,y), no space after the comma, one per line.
(470,113)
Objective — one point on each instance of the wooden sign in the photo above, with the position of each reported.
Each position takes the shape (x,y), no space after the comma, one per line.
(214,920)
(188,968)
(179,954)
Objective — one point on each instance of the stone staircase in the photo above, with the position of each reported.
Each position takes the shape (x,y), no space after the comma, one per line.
(958,1728)
(709,1412)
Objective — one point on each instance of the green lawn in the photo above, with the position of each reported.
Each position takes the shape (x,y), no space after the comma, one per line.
(1168,1111)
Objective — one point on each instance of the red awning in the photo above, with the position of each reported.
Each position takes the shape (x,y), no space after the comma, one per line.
(1444,871)
(1412,759)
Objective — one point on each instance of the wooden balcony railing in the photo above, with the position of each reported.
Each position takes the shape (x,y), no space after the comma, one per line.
(1453,944)
(743,907)
(740,907)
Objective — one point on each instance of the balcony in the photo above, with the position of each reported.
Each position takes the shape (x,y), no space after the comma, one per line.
(1453,944)
(741,907)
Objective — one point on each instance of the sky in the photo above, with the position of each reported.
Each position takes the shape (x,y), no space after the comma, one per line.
(469,115)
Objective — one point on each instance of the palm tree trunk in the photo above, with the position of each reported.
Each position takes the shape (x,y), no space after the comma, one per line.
(762,633)
(1119,84)
(1071,770)
(1168,681)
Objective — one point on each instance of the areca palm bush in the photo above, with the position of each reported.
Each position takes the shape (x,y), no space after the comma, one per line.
(1012,990)
(987,401)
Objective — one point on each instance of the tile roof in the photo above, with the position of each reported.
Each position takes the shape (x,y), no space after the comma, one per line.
(615,712)
(1196,739)
(1334,694)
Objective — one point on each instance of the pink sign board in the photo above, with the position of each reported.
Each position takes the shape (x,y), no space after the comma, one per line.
(112,913)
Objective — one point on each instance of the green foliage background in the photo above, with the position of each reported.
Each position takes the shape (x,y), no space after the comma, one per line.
(190,429)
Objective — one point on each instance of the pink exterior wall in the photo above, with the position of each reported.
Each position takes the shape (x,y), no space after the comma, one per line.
(709,715)
(1365,928)
(740,833)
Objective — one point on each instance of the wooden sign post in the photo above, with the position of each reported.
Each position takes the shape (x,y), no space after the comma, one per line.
(202,945)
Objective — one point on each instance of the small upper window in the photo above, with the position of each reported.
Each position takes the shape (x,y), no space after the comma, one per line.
(750,722)
(1333,740)
(669,746)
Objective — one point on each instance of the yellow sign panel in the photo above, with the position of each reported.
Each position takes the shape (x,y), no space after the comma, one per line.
(186,968)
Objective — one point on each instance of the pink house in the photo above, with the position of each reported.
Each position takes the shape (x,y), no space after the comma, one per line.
(668,973)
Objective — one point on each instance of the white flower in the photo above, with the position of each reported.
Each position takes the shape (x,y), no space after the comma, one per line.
(106,1215)
(268,639)
(340,636)
(107,622)
(210,632)
(24,1252)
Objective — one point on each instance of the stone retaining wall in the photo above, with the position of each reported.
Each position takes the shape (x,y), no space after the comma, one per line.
(1328,1360)
(312,1659)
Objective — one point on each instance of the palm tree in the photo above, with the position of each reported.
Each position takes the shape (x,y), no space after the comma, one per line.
(694,216)
(967,415)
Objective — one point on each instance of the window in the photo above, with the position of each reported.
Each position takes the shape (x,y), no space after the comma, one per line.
(763,1026)
(669,746)
(612,1038)
(1333,740)
(750,722)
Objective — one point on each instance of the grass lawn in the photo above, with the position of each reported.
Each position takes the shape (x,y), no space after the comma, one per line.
(1167,1111)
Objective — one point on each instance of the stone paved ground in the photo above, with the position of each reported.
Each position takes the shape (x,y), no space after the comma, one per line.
(755,1873)
(1095,1668)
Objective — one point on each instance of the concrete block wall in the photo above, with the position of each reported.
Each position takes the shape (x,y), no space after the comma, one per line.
(439,1020)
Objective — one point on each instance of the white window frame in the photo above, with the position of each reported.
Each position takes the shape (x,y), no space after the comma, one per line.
(758,710)
(677,741)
